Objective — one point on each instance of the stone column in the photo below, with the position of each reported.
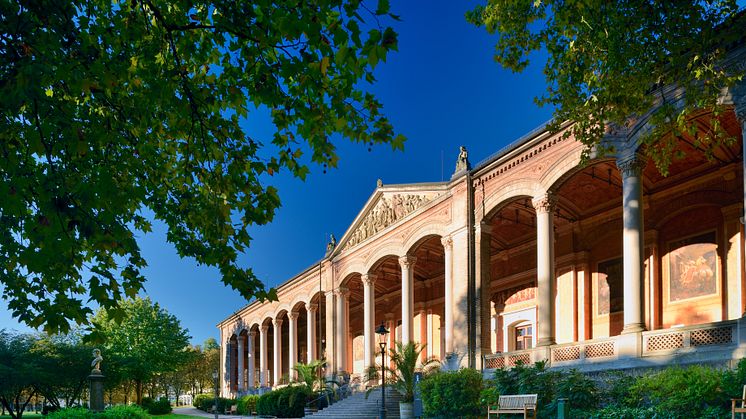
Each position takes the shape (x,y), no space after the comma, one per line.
(263,367)
(311,331)
(292,343)
(423,333)
(277,354)
(241,353)
(369,319)
(545,279)
(252,366)
(632,241)
(740,108)
(407,298)
(447,243)
(341,335)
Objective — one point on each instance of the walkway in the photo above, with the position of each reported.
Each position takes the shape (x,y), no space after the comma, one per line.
(192,411)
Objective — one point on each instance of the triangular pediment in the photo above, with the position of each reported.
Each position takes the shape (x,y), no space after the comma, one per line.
(387,206)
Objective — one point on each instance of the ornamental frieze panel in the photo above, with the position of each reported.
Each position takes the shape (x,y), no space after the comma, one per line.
(387,211)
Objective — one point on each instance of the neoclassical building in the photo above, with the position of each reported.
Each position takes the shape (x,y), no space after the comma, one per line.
(526,256)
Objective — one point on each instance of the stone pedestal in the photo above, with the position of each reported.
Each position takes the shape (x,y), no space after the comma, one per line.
(96,380)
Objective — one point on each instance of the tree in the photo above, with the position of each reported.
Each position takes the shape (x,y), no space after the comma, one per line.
(610,62)
(117,113)
(18,372)
(148,341)
(63,363)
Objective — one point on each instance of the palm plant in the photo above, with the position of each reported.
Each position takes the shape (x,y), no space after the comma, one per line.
(405,359)
(311,375)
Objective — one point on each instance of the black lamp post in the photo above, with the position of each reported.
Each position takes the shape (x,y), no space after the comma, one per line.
(215,407)
(382,332)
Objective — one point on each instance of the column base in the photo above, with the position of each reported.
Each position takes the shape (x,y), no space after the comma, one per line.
(633,328)
(548,341)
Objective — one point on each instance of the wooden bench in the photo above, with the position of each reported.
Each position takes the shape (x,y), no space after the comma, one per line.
(517,403)
(736,409)
(233,410)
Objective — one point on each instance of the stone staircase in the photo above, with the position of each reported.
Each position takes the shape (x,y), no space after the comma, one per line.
(357,406)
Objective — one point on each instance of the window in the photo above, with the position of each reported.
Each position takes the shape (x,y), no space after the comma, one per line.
(523,337)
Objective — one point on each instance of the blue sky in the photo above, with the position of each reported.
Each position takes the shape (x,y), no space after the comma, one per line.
(441,90)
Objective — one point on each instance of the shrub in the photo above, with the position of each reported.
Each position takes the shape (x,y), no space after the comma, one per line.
(200,398)
(452,394)
(247,404)
(688,392)
(580,391)
(71,413)
(160,407)
(287,402)
(124,412)
(207,403)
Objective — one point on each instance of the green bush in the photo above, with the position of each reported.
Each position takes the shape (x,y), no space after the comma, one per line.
(247,404)
(160,407)
(452,394)
(688,392)
(287,402)
(580,391)
(223,403)
(124,412)
(200,398)
(71,413)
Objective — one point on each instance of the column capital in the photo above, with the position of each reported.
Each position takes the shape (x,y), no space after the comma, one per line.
(447,242)
(544,203)
(293,315)
(342,292)
(407,261)
(329,294)
(263,328)
(311,308)
(277,323)
(483,228)
(368,279)
(739,101)
(252,334)
(632,165)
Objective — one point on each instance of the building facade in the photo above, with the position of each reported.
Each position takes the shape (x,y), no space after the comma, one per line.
(527,256)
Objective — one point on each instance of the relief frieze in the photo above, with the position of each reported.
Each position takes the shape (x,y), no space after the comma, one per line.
(387,211)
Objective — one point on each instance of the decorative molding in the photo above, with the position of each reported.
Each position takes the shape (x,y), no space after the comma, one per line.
(263,329)
(632,166)
(407,262)
(544,204)
(277,323)
(368,279)
(342,292)
(293,315)
(386,212)
(447,242)
(312,308)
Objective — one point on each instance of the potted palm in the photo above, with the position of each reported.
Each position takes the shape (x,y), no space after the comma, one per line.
(320,388)
(402,377)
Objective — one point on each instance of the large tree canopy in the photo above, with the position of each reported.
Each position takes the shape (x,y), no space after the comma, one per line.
(610,62)
(113,111)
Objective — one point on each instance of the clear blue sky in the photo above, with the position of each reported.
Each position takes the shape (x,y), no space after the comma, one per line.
(442,90)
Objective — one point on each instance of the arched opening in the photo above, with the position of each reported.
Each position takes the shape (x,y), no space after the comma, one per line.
(429,296)
(233,363)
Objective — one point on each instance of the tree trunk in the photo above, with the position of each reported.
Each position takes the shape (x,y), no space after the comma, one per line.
(138,392)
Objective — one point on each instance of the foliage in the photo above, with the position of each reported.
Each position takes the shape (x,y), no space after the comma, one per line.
(18,372)
(286,402)
(311,375)
(148,340)
(64,366)
(529,379)
(71,413)
(612,61)
(159,407)
(579,390)
(200,398)
(247,404)
(452,394)
(201,361)
(680,392)
(206,404)
(405,359)
(124,412)
(117,113)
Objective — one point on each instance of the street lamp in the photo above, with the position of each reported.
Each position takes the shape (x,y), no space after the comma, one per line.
(215,406)
(382,332)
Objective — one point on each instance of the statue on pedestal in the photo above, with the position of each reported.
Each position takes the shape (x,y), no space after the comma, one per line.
(463,160)
(96,380)
(96,363)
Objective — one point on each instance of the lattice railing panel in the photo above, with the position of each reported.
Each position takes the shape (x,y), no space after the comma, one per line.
(716,336)
(513,360)
(665,342)
(568,353)
(496,362)
(599,350)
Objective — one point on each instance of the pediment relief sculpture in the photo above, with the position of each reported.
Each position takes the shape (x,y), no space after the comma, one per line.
(387,211)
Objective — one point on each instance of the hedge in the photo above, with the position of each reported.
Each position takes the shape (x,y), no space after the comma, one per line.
(287,402)
(452,394)
(247,404)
